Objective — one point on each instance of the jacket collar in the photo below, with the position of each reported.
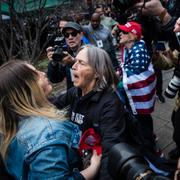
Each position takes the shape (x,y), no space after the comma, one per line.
(92,95)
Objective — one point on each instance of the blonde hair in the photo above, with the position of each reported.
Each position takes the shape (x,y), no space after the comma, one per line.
(20,96)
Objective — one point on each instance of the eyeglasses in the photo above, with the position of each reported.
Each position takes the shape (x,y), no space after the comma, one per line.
(73,34)
(124,32)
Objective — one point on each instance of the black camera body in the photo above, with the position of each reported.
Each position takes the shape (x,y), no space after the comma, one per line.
(59,49)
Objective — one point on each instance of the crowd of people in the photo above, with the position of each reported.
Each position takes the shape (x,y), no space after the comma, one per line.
(112,74)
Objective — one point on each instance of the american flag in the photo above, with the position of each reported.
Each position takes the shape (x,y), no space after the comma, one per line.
(139,80)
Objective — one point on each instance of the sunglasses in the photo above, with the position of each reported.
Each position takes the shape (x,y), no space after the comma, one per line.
(73,34)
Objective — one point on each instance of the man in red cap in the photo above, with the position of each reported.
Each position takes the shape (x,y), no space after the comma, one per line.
(138,78)
(133,29)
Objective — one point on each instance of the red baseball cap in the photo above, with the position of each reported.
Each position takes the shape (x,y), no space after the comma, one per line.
(90,140)
(133,27)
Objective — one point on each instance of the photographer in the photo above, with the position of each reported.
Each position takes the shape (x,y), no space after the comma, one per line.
(61,62)
(173,90)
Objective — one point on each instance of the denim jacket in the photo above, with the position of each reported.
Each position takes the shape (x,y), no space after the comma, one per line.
(44,149)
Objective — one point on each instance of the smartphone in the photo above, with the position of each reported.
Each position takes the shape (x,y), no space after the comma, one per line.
(178,37)
(161,46)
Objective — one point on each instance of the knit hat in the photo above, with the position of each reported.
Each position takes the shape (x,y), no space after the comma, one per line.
(133,27)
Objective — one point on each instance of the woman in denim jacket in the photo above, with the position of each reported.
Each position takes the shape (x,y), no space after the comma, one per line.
(37,141)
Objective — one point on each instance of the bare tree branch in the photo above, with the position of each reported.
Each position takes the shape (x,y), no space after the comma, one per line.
(24,35)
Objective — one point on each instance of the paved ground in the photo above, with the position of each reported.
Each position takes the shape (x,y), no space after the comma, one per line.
(162,123)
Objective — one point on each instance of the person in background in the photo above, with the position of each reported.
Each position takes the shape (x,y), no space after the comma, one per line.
(37,140)
(138,79)
(173,90)
(62,23)
(165,13)
(61,67)
(109,22)
(93,101)
(100,36)
(155,8)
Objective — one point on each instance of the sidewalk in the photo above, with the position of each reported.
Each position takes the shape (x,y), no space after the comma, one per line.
(162,118)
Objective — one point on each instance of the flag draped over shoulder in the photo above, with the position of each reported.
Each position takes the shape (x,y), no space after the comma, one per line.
(139,80)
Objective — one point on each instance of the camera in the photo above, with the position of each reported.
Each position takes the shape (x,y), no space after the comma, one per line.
(126,163)
(174,84)
(59,49)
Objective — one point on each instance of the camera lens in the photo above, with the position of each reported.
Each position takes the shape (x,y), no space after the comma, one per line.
(125,162)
